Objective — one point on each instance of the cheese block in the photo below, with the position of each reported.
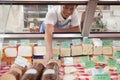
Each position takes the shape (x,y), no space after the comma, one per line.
(65,52)
(10,75)
(76,50)
(51,71)
(115,49)
(33,73)
(87,49)
(56,50)
(10,52)
(25,51)
(107,50)
(39,50)
(97,50)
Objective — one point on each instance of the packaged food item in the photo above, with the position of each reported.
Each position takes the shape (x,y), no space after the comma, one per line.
(33,73)
(51,72)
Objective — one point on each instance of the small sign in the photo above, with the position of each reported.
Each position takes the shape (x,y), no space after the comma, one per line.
(76,41)
(21,61)
(90,64)
(86,40)
(102,77)
(41,42)
(65,44)
(68,60)
(101,59)
(107,43)
(25,42)
(116,54)
(12,43)
(84,59)
(112,63)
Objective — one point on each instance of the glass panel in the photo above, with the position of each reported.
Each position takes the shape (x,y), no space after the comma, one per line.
(19,18)
(106,19)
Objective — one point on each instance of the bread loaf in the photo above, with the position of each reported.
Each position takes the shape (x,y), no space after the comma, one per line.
(10,75)
(51,72)
(18,69)
(34,73)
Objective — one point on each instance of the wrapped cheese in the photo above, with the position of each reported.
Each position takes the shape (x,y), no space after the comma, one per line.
(76,50)
(97,50)
(107,50)
(10,75)
(25,51)
(33,73)
(39,50)
(51,72)
(87,49)
(56,49)
(115,49)
(65,52)
(11,52)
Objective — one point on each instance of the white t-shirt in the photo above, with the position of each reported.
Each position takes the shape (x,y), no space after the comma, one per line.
(54,15)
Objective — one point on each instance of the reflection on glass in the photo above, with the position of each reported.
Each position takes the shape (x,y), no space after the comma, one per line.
(28,18)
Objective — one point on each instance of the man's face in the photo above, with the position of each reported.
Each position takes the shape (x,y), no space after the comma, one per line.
(67,10)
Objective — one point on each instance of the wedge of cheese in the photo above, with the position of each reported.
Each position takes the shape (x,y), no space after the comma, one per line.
(76,50)
(25,51)
(11,52)
(107,50)
(65,52)
(87,49)
(97,50)
(39,50)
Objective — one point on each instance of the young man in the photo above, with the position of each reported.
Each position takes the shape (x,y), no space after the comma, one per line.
(63,18)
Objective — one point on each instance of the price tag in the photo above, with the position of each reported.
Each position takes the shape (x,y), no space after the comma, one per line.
(68,60)
(112,63)
(101,59)
(86,40)
(12,43)
(90,64)
(107,43)
(25,42)
(65,44)
(102,77)
(116,54)
(41,42)
(84,59)
(118,68)
(76,41)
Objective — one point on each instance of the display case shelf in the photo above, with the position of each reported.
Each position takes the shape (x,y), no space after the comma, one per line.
(61,35)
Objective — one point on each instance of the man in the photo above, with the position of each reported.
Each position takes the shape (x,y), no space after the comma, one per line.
(63,18)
